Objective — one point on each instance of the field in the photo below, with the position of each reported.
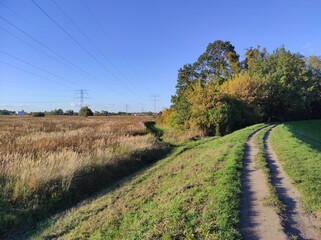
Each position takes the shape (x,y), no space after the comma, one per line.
(298,147)
(194,193)
(50,163)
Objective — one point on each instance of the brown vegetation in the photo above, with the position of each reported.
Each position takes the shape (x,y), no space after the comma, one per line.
(44,161)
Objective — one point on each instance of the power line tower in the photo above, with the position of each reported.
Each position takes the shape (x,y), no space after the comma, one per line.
(155,99)
(82,94)
(127,106)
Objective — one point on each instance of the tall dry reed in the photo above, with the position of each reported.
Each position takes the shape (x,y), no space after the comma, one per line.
(41,159)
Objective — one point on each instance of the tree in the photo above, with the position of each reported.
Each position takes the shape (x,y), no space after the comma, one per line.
(217,94)
(57,112)
(219,62)
(285,82)
(314,71)
(69,112)
(6,112)
(202,98)
(85,112)
(38,114)
(180,104)
(104,113)
(248,89)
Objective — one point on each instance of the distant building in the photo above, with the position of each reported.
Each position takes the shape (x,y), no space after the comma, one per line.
(21,113)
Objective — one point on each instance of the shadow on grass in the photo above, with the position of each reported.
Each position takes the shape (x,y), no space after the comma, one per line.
(152,128)
(17,222)
(308,132)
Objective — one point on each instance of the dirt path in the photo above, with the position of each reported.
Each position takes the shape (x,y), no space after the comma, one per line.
(257,221)
(296,222)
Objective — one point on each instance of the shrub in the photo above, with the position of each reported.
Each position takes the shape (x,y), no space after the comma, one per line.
(38,114)
(85,112)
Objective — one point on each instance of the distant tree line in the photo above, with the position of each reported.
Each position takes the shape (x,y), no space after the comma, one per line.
(219,93)
(84,111)
(7,112)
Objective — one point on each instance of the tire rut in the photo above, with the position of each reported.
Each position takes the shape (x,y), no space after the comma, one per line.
(296,222)
(257,220)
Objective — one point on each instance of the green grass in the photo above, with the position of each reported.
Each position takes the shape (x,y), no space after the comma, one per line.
(194,193)
(298,146)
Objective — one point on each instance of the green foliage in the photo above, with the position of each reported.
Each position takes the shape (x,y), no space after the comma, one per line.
(85,112)
(285,86)
(38,114)
(219,62)
(69,112)
(314,71)
(217,94)
(57,112)
(6,112)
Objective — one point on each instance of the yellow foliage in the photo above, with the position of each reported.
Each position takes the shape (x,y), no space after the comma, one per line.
(167,113)
(244,87)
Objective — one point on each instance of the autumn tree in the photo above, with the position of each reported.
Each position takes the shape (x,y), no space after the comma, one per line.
(217,94)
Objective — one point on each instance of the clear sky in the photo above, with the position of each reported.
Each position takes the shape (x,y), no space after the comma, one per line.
(124,51)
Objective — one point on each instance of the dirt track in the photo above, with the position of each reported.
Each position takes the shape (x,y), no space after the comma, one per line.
(262,222)
(257,221)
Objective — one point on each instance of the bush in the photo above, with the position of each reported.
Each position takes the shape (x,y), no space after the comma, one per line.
(38,114)
(85,112)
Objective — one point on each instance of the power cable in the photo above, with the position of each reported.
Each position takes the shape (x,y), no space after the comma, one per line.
(92,43)
(43,45)
(109,39)
(39,68)
(76,41)
(35,27)
(54,52)
(34,74)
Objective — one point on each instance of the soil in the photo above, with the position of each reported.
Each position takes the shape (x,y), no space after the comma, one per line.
(257,220)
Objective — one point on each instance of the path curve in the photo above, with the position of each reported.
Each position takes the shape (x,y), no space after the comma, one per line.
(295,220)
(257,221)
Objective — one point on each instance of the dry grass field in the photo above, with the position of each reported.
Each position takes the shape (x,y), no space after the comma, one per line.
(46,162)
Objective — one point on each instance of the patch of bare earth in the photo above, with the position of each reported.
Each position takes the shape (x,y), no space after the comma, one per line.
(297,223)
(258,221)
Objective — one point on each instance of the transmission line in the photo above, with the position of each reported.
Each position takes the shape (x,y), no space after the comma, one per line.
(92,43)
(76,41)
(39,68)
(35,27)
(43,45)
(108,37)
(52,51)
(31,73)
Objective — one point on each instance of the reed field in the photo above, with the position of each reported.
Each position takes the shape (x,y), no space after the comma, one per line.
(46,163)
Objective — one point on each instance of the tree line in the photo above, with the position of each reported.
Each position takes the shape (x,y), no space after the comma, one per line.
(219,93)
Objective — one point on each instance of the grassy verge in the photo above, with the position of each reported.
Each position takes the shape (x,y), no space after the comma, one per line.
(298,146)
(192,194)
(272,199)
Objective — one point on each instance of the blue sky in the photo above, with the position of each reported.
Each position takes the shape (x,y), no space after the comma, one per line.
(135,50)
